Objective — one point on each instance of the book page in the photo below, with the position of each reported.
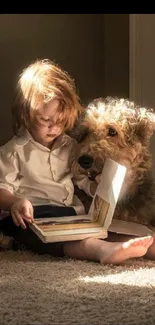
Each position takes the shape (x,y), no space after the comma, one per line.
(130,228)
(107,193)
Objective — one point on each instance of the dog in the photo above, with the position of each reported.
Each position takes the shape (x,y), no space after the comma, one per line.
(119,129)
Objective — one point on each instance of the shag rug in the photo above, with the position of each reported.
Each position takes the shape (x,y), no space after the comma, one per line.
(44,290)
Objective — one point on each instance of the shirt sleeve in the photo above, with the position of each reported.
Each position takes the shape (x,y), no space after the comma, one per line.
(9,170)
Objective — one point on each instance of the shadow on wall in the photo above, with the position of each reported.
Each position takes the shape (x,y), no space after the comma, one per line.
(63,38)
(75,41)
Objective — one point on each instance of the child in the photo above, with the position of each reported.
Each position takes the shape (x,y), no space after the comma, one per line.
(35,173)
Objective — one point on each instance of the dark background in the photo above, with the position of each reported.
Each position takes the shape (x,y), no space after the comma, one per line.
(93,48)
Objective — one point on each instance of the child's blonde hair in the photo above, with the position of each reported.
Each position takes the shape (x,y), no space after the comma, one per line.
(39,83)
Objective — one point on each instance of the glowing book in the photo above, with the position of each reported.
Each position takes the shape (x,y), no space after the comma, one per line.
(99,217)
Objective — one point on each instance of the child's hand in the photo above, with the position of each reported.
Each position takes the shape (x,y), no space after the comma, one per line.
(98,178)
(22,210)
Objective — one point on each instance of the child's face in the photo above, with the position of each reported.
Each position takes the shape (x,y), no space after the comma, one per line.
(46,126)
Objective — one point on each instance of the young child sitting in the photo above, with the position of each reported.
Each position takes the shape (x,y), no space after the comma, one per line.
(35,167)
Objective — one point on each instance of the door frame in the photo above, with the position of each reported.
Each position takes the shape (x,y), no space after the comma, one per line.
(141,60)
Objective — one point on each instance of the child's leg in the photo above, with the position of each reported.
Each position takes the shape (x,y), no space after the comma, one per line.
(150,254)
(107,252)
(29,239)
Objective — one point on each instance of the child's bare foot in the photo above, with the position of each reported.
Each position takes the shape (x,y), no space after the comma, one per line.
(116,253)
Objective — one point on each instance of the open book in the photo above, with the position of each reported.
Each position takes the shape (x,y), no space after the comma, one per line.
(99,219)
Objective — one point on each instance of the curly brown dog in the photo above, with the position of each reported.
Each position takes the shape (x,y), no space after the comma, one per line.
(118,129)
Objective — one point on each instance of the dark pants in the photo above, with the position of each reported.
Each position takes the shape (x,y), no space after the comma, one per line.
(28,238)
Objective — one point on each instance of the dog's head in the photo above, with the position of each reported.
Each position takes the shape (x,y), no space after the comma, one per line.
(117,129)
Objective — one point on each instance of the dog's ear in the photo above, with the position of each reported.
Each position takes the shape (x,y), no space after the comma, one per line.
(79,130)
(151,120)
(146,123)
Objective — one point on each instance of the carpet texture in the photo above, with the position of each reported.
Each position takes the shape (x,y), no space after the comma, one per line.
(44,290)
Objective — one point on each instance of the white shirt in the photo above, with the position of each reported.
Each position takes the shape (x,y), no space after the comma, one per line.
(39,174)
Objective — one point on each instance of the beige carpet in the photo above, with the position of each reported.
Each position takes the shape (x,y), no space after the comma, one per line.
(43,290)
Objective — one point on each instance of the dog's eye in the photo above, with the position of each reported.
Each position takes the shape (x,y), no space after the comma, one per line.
(112,132)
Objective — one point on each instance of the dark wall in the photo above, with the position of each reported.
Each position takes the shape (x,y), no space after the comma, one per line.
(116,55)
(91,47)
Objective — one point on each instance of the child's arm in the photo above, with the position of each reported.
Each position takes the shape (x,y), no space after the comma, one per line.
(7,199)
(20,208)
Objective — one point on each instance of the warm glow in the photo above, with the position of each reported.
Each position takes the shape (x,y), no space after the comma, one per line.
(140,277)
(117,181)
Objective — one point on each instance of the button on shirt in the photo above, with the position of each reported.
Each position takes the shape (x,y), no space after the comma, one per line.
(42,175)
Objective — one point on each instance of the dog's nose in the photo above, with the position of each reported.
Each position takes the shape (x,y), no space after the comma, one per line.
(85,161)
